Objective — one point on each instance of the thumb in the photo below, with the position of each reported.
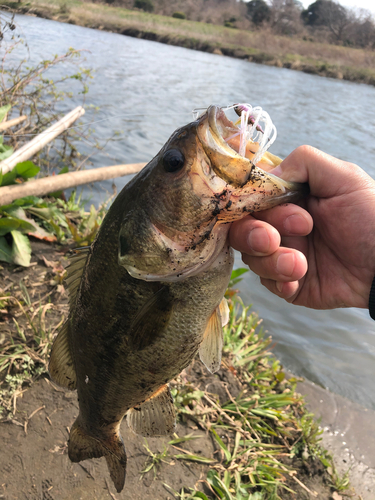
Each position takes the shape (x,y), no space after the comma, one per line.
(327,176)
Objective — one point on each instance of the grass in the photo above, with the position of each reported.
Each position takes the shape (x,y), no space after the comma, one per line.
(262,433)
(258,46)
(265,424)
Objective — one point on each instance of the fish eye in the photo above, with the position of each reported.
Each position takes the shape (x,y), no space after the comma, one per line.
(173,160)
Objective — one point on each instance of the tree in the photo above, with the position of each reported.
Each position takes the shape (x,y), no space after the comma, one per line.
(258,11)
(285,16)
(328,14)
(311,16)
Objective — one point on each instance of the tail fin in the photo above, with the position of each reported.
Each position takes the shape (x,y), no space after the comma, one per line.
(82,446)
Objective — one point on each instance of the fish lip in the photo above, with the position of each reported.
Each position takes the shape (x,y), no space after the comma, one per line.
(218,123)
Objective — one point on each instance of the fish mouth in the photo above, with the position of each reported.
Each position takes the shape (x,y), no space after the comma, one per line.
(221,141)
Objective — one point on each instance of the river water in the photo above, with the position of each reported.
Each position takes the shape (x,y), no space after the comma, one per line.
(146,90)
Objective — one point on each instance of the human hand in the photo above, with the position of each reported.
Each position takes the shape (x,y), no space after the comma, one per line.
(320,255)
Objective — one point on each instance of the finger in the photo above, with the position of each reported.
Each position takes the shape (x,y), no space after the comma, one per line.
(289,220)
(286,290)
(299,243)
(254,237)
(327,176)
(286,264)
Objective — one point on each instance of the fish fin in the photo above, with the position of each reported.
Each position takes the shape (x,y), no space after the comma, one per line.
(156,416)
(61,367)
(151,319)
(117,471)
(212,343)
(75,271)
(224,311)
(82,446)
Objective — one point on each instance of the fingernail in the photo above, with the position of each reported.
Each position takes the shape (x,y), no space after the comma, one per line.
(279,286)
(258,240)
(285,264)
(295,224)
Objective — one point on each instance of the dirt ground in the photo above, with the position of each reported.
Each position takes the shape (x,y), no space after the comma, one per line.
(34,464)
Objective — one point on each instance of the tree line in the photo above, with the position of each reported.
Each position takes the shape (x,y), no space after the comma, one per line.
(323,20)
(326,20)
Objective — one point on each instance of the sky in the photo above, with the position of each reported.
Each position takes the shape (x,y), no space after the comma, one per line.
(359,4)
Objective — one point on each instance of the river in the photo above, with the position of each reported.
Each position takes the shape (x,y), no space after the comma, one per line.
(145,90)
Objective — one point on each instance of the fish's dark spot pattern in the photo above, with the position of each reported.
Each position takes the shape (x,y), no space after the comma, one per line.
(221,195)
(229,204)
(216,210)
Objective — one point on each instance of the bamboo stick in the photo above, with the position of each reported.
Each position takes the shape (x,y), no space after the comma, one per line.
(40,187)
(12,123)
(32,147)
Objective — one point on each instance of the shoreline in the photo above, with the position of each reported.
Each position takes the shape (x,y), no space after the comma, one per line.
(206,38)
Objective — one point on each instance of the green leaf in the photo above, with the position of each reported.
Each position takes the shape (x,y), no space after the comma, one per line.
(3,111)
(29,226)
(5,251)
(25,202)
(9,177)
(49,214)
(238,272)
(220,442)
(183,439)
(195,458)
(21,249)
(8,224)
(235,276)
(27,169)
(5,151)
(64,170)
(218,485)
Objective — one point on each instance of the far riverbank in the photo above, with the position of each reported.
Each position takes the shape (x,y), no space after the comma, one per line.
(356,65)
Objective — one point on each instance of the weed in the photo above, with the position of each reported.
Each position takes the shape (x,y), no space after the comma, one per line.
(154,460)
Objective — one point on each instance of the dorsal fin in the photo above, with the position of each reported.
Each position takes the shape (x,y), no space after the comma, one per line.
(61,366)
(156,416)
(212,343)
(75,271)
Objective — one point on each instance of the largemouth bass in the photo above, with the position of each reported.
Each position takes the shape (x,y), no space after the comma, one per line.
(148,294)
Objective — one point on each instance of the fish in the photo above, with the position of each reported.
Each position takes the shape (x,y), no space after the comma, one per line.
(148,294)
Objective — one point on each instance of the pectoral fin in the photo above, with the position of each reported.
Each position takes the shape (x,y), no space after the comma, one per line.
(224,311)
(151,319)
(156,416)
(212,343)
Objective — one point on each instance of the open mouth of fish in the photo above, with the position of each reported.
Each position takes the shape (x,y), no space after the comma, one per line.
(238,155)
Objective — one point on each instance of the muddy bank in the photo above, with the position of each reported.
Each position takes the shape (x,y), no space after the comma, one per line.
(348,433)
(91,18)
